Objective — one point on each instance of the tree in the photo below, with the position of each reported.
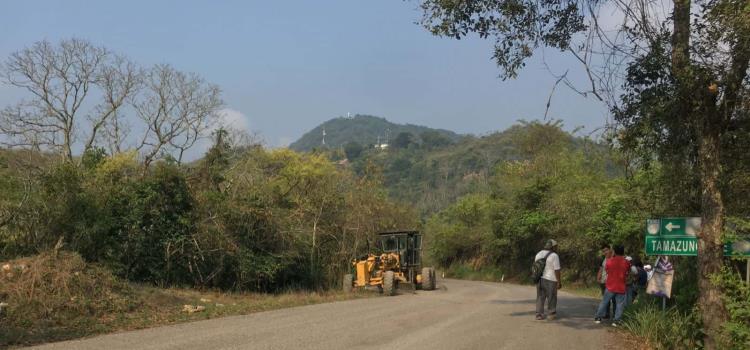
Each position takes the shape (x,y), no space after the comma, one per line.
(64,82)
(353,150)
(81,97)
(403,140)
(685,89)
(434,139)
(177,109)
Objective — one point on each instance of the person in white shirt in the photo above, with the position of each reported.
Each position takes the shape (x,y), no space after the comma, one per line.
(546,289)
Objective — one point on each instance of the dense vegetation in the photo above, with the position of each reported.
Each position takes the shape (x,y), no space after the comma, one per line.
(247,219)
(364,130)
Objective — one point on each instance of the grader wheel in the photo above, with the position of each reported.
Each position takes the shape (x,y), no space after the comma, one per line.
(428,278)
(348,283)
(428,283)
(389,283)
(434,278)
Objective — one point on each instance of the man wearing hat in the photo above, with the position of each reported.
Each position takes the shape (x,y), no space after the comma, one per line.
(550,281)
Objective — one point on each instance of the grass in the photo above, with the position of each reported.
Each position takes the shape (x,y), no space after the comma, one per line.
(670,329)
(54,297)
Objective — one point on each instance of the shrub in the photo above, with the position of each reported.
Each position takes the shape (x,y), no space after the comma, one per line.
(469,271)
(670,329)
(737,301)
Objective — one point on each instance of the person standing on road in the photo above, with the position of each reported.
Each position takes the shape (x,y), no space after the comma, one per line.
(601,277)
(546,289)
(617,271)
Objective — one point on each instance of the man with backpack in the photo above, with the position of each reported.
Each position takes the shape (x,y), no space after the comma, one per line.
(546,274)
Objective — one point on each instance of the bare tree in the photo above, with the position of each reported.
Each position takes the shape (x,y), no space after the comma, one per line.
(61,80)
(177,109)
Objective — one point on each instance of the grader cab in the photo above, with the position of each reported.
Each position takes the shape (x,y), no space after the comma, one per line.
(399,262)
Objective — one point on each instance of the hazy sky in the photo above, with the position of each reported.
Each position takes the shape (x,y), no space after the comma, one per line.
(286,66)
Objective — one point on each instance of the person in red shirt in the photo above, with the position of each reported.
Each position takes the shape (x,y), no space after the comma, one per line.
(617,271)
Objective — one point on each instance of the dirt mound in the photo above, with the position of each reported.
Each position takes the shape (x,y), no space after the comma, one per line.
(54,294)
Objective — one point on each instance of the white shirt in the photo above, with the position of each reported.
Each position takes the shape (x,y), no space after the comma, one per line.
(552,265)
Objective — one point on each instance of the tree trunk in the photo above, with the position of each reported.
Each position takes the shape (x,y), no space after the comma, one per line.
(698,109)
(710,246)
(681,38)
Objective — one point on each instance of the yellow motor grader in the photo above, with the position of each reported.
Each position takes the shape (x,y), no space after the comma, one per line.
(400,261)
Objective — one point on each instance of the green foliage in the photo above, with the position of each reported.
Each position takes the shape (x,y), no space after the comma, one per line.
(432,139)
(550,191)
(403,140)
(458,234)
(158,225)
(518,27)
(257,220)
(466,271)
(672,329)
(736,330)
(353,150)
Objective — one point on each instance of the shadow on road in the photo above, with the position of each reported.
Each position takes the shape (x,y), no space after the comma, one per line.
(571,312)
(507,302)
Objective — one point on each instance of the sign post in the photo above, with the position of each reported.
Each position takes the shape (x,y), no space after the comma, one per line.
(740,249)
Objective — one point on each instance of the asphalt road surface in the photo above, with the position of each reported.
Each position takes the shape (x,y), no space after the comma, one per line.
(460,315)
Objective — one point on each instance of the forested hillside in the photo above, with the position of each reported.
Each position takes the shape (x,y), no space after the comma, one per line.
(431,172)
(364,130)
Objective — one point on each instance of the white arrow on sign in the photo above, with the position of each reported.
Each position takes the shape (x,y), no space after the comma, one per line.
(671,226)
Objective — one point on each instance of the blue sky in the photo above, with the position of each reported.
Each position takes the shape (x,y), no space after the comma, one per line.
(287,66)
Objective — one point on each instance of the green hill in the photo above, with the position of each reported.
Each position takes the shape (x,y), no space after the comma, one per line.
(363,129)
(431,178)
(431,168)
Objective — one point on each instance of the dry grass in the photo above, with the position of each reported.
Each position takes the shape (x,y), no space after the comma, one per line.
(622,339)
(54,297)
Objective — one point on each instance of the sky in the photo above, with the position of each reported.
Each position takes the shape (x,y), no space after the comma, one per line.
(286,66)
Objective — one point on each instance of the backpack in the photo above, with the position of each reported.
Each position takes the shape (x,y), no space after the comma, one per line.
(537,269)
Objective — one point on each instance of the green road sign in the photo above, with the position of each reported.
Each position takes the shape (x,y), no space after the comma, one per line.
(672,236)
(678,236)
(739,248)
(688,226)
(671,245)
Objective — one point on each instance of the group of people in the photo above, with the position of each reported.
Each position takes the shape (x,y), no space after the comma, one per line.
(620,278)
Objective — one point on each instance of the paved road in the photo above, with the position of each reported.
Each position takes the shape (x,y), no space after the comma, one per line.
(461,315)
